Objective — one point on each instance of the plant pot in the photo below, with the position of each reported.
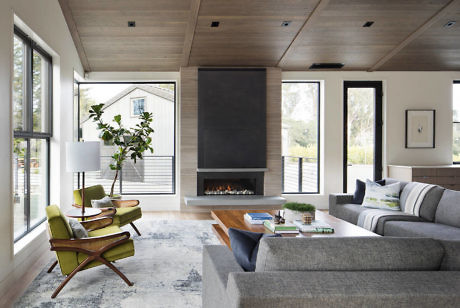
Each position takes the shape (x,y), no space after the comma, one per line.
(290,215)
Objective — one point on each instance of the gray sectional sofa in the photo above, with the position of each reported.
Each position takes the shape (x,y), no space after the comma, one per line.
(439,215)
(336,272)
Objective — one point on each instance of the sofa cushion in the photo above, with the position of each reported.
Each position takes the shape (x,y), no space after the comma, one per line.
(451,260)
(245,245)
(430,203)
(448,211)
(380,227)
(421,229)
(360,190)
(349,254)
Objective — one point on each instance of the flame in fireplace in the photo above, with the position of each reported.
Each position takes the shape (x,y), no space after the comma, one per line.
(227,189)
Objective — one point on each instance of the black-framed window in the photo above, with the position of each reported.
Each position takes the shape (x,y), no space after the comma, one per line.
(155,174)
(456,122)
(362,132)
(32,130)
(300,137)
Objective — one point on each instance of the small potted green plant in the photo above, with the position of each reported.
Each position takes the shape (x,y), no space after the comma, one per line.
(295,211)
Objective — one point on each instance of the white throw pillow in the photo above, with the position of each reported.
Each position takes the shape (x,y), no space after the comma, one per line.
(104,202)
(382,197)
(77,228)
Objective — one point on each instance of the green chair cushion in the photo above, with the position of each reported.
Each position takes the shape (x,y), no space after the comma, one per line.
(120,252)
(125,215)
(95,192)
(105,231)
(60,229)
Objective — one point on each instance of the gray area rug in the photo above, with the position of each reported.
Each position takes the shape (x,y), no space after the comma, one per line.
(165,270)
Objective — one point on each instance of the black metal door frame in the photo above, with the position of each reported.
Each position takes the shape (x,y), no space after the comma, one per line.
(378,126)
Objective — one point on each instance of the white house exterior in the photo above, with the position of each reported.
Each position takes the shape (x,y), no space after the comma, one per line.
(155,172)
(158,101)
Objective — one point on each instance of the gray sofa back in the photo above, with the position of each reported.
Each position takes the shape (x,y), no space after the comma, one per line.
(429,203)
(448,210)
(349,254)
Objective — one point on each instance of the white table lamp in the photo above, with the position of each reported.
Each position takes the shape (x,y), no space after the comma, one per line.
(82,157)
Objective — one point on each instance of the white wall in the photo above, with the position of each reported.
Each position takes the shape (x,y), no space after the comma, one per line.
(45,19)
(402,90)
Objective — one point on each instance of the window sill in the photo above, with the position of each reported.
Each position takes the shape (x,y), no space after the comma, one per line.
(29,238)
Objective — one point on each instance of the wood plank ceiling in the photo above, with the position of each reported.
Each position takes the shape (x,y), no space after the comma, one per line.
(406,34)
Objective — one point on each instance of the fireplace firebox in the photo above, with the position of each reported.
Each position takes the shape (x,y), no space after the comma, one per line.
(230,183)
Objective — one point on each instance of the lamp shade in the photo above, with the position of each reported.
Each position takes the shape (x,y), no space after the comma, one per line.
(83,156)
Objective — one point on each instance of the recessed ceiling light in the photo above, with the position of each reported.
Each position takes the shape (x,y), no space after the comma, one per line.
(367,24)
(131,24)
(215,24)
(286,23)
(449,24)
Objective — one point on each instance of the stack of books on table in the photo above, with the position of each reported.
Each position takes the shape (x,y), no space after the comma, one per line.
(257,218)
(316,226)
(281,228)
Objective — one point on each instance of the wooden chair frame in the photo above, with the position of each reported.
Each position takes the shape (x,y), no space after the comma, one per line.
(94,247)
(111,211)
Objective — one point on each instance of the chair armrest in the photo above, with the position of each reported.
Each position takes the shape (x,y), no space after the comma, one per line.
(92,245)
(125,203)
(341,198)
(97,223)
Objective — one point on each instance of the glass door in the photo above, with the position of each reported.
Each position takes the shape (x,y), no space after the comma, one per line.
(362,132)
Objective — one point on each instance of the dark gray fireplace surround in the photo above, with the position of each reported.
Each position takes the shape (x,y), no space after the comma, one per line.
(232,138)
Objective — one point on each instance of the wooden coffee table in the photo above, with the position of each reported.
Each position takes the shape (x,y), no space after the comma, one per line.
(234,219)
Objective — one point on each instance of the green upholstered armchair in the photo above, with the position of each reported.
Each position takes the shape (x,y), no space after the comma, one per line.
(106,243)
(127,211)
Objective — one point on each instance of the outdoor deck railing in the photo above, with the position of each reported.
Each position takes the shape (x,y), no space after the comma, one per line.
(156,175)
(299,174)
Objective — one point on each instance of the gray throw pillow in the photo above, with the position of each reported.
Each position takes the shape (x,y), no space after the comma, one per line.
(104,202)
(77,228)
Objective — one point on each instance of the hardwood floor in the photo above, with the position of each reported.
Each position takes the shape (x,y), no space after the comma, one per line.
(21,284)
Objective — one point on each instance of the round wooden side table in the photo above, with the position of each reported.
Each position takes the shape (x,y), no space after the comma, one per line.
(89,212)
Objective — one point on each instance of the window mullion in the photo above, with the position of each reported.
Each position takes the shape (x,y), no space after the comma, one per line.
(29,88)
(27,184)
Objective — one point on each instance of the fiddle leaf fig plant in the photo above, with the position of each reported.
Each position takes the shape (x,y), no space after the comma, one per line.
(129,142)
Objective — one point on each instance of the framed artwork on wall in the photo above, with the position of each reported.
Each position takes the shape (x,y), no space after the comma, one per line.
(420,128)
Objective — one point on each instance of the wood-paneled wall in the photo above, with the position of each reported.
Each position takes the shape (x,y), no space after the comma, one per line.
(189,133)
(273,176)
